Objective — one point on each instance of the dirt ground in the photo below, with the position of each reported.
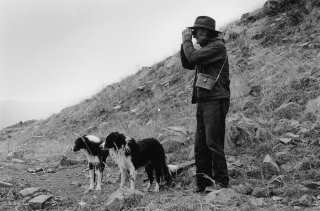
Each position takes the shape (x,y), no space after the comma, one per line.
(67,185)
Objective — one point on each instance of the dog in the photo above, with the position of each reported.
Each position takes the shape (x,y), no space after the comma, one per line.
(130,155)
(96,157)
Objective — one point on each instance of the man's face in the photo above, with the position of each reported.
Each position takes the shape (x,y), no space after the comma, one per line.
(200,35)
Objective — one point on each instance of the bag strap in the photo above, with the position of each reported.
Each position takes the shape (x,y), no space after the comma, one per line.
(221,68)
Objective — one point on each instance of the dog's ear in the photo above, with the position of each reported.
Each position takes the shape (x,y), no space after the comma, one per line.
(129,146)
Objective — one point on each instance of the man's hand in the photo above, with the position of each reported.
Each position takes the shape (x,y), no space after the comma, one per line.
(186,34)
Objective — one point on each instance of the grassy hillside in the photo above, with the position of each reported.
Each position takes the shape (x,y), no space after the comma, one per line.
(275,83)
(282,61)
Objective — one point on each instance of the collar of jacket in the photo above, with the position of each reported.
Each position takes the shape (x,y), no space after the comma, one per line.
(213,40)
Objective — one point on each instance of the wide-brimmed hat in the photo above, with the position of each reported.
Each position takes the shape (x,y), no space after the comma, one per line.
(205,22)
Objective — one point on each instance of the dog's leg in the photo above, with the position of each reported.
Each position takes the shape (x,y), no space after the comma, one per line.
(99,168)
(91,172)
(157,188)
(123,176)
(149,170)
(103,165)
(158,175)
(133,175)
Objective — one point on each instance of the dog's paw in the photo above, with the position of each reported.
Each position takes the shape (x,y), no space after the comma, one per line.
(98,188)
(146,189)
(156,188)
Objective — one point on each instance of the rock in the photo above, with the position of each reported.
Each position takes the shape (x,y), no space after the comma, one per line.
(257,201)
(275,7)
(173,138)
(254,172)
(289,111)
(177,133)
(255,90)
(123,199)
(276,180)
(18,155)
(34,170)
(256,30)
(245,189)
(222,196)
(5,184)
(311,184)
(82,204)
(271,7)
(234,32)
(244,16)
(261,192)
(65,161)
(134,110)
(233,171)
(257,36)
(50,170)
(279,191)
(10,155)
(116,107)
(172,62)
(76,183)
(306,200)
(16,160)
(311,134)
(39,202)
(291,135)
(171,145)
(285,140)
(276,198)
(269,167)
(239,131)
(29,191)
(285,125)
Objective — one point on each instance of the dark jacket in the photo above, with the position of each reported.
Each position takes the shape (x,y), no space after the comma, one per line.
(208,60)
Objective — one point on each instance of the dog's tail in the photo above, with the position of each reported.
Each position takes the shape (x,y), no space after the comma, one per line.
(168,171)
(173,169)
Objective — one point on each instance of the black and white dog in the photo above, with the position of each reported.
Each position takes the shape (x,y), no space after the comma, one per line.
(96,157)
(131,155)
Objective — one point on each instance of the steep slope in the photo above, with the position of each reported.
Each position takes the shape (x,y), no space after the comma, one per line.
(275,77)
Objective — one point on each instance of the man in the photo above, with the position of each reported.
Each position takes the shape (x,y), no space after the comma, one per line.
(212,104)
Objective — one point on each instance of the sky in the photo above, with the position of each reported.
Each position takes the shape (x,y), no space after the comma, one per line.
(56,53)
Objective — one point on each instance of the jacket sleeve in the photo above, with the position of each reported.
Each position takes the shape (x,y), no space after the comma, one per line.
(184,61)
(205,55)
